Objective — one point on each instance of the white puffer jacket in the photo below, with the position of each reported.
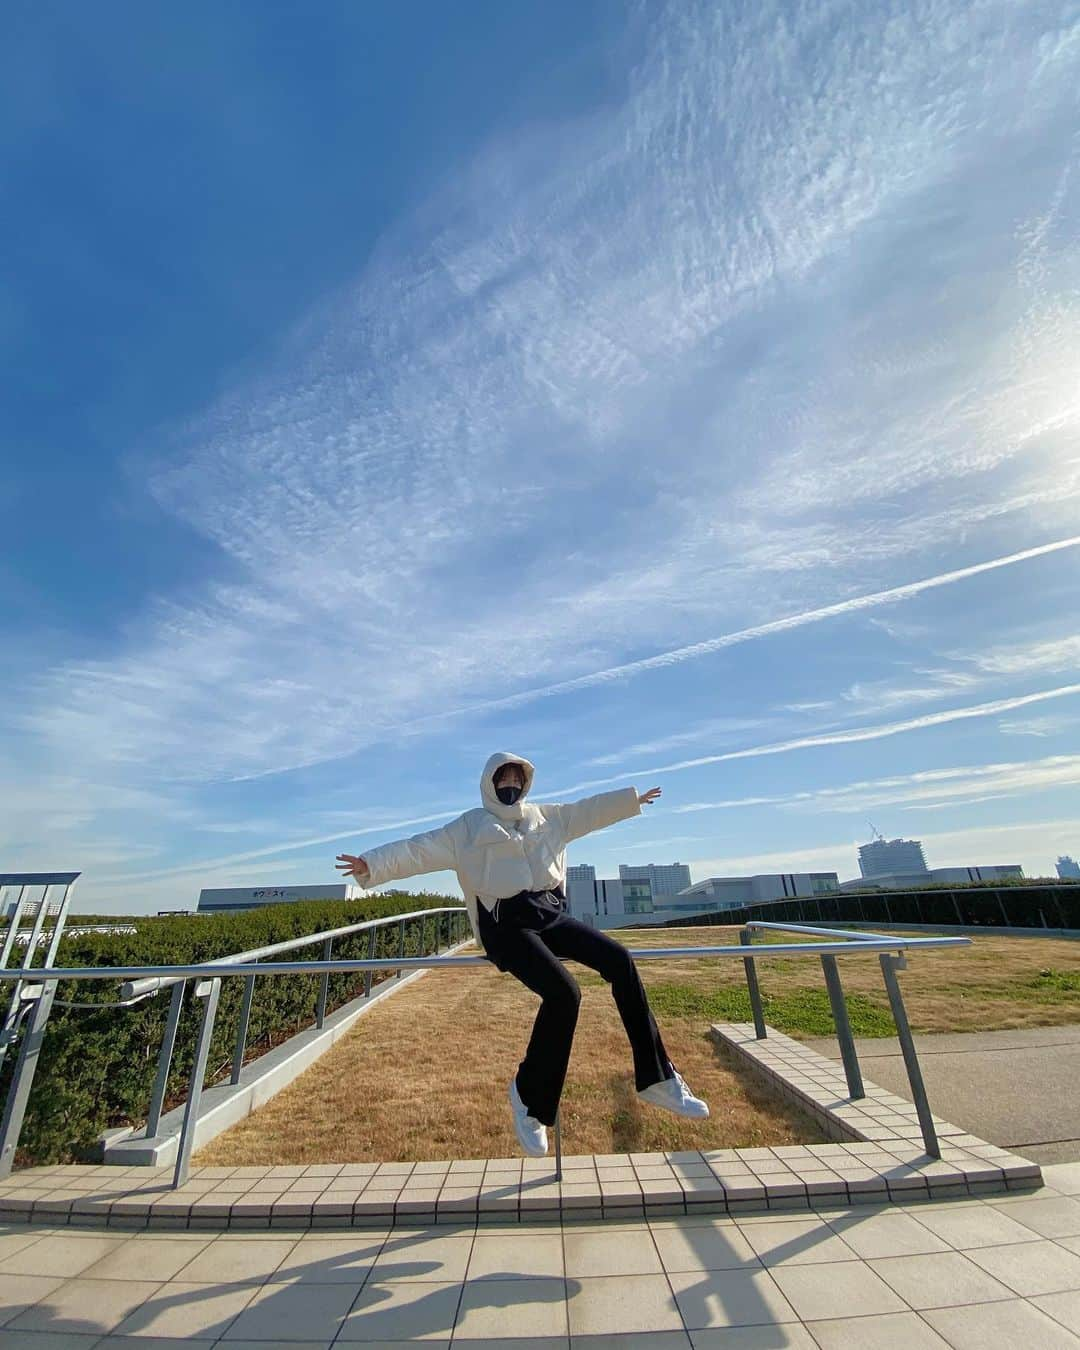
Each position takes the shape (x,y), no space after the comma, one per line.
(498,850)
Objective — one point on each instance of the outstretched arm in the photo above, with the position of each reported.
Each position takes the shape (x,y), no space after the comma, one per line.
(432,851)
(595,813)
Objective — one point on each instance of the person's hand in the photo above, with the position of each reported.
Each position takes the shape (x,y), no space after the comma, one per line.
(355,867)
(646,797)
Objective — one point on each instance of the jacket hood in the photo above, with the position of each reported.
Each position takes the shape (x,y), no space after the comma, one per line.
(487,786)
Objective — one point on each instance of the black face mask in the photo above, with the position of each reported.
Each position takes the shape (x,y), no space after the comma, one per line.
(508,795)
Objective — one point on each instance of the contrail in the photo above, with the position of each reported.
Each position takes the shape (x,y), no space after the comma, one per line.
(875,733)
(275,850)
(780,748)
(679,654)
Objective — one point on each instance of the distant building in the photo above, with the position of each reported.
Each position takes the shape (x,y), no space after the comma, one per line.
(588,896)
(256,897)
(579,874)
(663,878)
(885,857)
(1067,868)
(732,892)
(637,895)
(912,881)
(637,890)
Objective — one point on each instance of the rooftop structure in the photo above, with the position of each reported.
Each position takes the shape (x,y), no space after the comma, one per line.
(663,878)
(912,880)
(732,892)
(226,898)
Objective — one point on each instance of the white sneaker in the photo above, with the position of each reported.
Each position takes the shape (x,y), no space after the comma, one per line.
(532,1135)
(673,1095)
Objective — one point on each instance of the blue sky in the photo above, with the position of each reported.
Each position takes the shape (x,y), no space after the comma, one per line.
(392,384)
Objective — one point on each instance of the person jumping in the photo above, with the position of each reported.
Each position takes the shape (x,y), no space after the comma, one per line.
(510,859)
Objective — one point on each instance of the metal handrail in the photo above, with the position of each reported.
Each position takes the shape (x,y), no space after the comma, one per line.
(150,985)
(891,962)
(36,986)
(209,974)
(852,933)
(215,969)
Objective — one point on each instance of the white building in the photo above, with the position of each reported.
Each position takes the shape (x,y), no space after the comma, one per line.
(883,857)
(913,881)
(645,889)
(227,898)
(589,897)
(1067,868)
(578,874)
(733,892)
(663,878)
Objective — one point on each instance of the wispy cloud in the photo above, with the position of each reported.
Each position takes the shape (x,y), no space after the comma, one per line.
(1047,725)
(660,845)
(848,736)
(205,865)
(713,728)
(697,361)
(936,787)
(1037,658)
(411,822)
(894,595)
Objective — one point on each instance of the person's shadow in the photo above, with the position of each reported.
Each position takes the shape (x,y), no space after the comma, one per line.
(359,1286)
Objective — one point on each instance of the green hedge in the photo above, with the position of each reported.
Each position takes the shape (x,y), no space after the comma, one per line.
(97,1069)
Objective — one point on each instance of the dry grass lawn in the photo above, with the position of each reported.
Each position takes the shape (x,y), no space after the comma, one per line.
(996,983)
(424,1076)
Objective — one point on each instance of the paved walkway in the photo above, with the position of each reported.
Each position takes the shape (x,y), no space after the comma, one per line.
(1003,1271)
(1018,1089)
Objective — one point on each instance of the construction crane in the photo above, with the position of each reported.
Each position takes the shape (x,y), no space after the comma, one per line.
(875,832)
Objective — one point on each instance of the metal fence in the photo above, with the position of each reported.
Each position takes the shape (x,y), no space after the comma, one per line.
(1047,907)
(138,982)
(34,995)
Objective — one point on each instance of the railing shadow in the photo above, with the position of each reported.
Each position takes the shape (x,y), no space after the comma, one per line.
(368,1284)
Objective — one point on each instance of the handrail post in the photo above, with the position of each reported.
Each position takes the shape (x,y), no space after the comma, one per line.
(23,1076)
(324,986)
(745,939)
(242,1029)
(198,1073)
(558,1146)
(889,966)
(370,957)
(401,952)
(164,1064)
(843,1027)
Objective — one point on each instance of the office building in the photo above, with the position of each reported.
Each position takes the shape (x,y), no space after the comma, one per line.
(217,901)
(637,895)
(1066,868)
(663,878)
(884,857)
(644,889)
(589,897)
(732,892)
(579,874)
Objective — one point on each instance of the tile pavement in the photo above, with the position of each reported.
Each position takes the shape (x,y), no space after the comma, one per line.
(982,1271)
(875,1155)
(859,1242)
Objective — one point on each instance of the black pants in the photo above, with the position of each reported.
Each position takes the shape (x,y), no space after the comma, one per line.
(526,935)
